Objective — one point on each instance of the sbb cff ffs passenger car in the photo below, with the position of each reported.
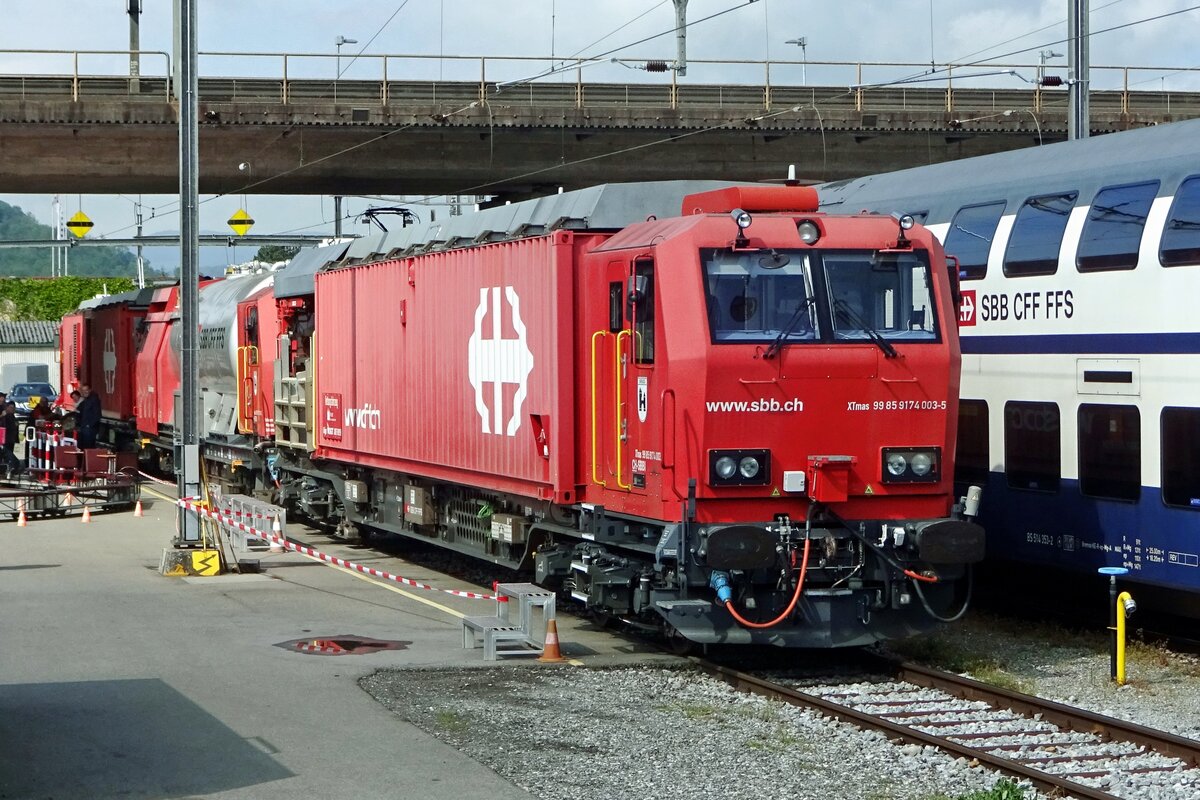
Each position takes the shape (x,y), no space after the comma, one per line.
(735,422)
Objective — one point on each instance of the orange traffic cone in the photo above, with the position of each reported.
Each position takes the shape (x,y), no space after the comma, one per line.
(87,513)
(21,521)
(137,510)
(68,499)
(550,652)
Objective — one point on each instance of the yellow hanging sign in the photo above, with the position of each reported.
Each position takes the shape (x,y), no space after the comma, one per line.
(241,222)
(79,224)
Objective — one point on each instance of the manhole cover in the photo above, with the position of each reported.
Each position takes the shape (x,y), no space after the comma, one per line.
(342,645)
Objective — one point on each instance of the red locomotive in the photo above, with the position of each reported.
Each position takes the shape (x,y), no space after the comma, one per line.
(734,419)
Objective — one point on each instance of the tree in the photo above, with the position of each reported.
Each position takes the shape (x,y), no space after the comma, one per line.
(31,261)
(274,253)
(42,298)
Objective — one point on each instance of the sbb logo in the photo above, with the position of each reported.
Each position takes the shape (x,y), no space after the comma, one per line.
(966,309)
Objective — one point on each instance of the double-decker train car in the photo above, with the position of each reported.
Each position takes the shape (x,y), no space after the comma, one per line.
(718,412)
(1080,264)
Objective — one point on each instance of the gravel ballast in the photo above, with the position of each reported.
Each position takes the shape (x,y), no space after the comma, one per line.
(649,731)
(590,734)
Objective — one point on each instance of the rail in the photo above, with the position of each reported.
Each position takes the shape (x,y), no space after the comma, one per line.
(385,80)
(1063,716)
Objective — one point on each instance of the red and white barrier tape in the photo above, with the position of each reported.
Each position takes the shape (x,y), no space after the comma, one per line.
(251,514)
(159,481)
(341,562)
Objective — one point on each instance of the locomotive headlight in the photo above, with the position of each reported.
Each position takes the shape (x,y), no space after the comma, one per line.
(912,464)
(742,218)
(743,467)
(749,467)
(808,230)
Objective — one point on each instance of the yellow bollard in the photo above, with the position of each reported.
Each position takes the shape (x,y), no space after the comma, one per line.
(1125,607)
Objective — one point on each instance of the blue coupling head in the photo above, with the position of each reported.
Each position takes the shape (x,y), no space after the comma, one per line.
(719,581)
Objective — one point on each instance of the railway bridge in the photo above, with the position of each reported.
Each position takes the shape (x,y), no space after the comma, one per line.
(281,128)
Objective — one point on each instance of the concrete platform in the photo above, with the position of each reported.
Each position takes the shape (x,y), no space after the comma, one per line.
(118,681)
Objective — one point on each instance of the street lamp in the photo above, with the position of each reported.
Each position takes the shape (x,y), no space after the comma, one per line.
(802,43)
(338,42)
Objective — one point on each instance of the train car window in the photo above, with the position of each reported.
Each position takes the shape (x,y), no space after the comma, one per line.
(1037,234)
(1181,236)
(970,238)
(1181,457)
(642,300)
(971,461)
(1032,445)
(1110,452)
(880,294)
(757,298)
(1112,234)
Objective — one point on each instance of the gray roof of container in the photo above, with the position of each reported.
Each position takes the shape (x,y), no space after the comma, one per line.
(296,279)
(610,206)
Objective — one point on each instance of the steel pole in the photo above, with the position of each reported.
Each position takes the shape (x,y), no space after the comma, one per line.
(135,67)
(1078,116)
(188,463)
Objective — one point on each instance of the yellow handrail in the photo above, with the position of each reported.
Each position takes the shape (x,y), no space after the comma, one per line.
(618,379)
(595,460)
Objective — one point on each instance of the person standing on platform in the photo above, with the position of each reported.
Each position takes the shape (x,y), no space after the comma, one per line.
(88,410)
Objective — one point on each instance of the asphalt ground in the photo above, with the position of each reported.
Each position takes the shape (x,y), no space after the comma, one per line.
(116,681)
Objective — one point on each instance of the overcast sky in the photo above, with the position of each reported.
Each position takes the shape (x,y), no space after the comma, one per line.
(910,31)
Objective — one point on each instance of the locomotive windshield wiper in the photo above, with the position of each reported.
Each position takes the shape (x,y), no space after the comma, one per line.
(788,329)
(854,318)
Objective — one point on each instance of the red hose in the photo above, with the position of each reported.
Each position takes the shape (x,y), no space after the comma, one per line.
(918,577)
(787,611)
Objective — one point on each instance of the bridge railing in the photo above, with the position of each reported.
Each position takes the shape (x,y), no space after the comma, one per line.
(447,81)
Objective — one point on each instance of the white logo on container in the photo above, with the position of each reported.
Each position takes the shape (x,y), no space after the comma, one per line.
(110,361)
(499,361)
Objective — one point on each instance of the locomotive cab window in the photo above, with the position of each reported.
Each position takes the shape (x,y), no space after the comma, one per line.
(1110,452)
(971,460)
(1181,457)
(1032,446)
(1037,234)
(753,297)
(641,311)
(880,294)
(970,238)
(1112,234)
(1181,236)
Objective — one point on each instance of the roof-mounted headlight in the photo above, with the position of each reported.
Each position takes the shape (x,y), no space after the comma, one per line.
(808,230)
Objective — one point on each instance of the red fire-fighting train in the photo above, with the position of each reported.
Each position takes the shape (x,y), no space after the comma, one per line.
(707,408)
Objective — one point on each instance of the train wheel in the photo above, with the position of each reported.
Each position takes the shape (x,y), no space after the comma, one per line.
(677,643)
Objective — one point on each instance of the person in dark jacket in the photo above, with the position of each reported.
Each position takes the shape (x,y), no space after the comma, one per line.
(12,431)
(88,410)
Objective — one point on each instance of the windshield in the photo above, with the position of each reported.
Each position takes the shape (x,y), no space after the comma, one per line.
(759,296)
(30,389)
(780,297)
(880,295)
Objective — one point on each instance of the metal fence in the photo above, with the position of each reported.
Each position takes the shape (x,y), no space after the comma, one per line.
(389,80)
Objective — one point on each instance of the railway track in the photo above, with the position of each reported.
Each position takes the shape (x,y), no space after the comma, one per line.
(1065,751)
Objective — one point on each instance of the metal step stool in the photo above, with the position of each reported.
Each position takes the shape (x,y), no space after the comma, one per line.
(526,596)
(503,629)
(494,631)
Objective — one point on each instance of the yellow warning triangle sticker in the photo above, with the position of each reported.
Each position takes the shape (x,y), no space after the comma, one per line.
(775,492)
(241,222)
(79,224)
(869,490)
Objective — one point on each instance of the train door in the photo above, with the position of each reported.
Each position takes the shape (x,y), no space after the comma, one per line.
(622,363)
(247,365)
